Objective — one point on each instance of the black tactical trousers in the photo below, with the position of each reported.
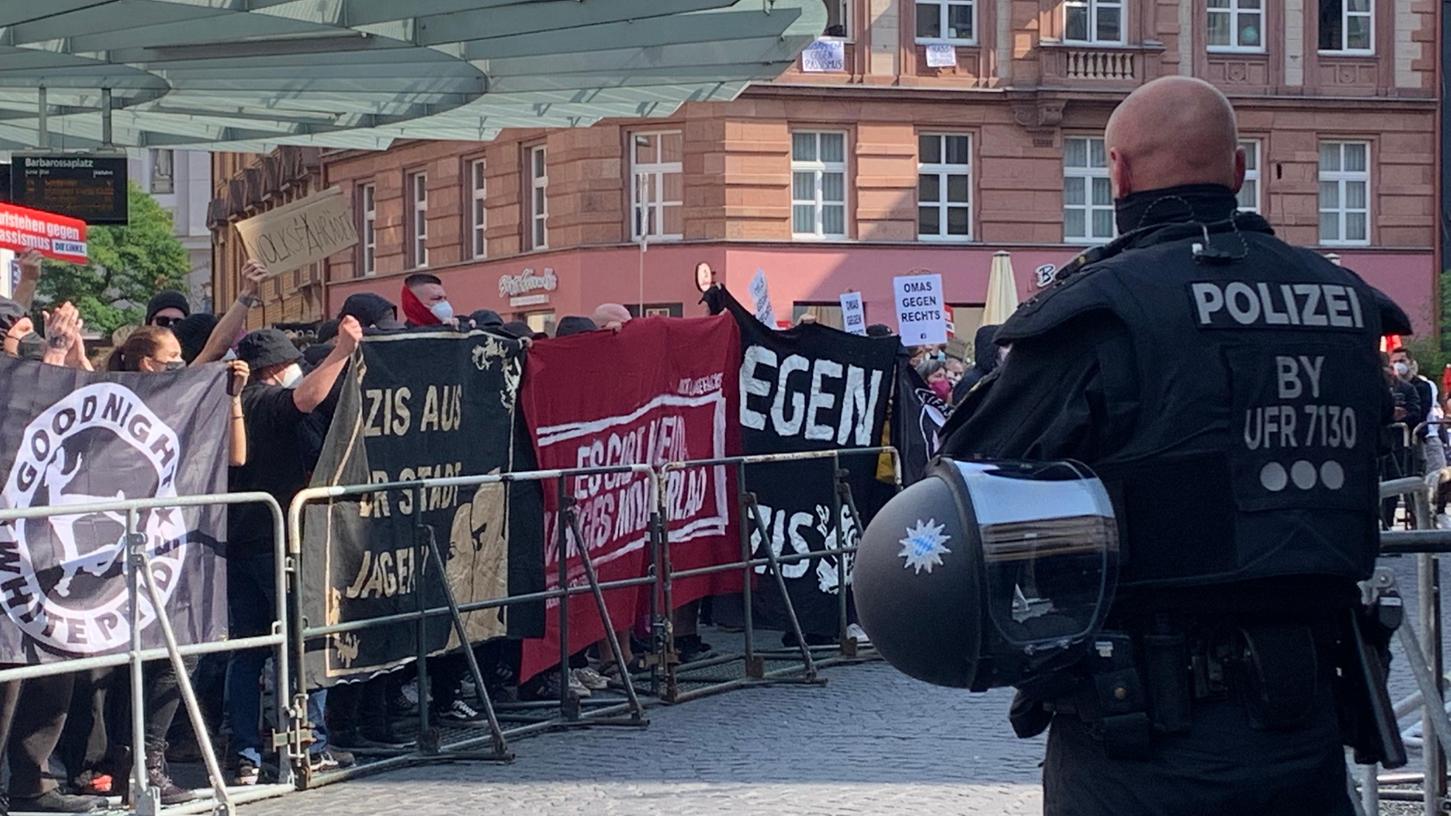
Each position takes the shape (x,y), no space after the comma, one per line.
(1222,765)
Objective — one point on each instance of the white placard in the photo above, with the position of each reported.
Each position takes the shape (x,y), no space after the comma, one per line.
(921,316)
(941,55)
(853,316)
(761,299)
(824,56)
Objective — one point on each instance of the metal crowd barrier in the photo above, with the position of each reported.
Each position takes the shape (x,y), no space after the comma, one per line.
(145,799)
(572,712)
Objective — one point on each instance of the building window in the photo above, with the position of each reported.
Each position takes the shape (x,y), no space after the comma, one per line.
(1347,26)
(368,207)
(163,171)
(1249,194)
(1094,21)
(478,215)
(1087,196)
(1345,193)
(818,185)
(657,189)
(838,19)
(950,21)
(418,220)
(1236,25)
(944,187)
(538,200)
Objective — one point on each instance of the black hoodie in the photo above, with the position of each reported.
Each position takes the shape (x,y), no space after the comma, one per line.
(985,359)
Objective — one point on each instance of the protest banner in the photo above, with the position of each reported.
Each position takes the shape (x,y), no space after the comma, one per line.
(921,315)
(57,237)
(643,408)
(809,388)
(420,405)
(761,299)
(300,233)
(71,437)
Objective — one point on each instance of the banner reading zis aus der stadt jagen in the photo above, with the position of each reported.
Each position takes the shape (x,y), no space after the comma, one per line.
(55,236)
(71,438)
(661,390)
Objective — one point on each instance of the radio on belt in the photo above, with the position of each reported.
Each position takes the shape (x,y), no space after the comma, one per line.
(986,573)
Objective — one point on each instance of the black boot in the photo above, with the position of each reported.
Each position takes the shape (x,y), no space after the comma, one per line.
(157,777)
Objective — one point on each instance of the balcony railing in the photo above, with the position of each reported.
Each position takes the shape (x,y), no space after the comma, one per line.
(1094,63)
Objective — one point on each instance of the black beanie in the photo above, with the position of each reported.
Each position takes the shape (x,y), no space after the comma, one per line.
(166,300)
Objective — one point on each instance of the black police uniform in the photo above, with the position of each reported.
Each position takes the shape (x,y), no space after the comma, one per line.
(1230,398)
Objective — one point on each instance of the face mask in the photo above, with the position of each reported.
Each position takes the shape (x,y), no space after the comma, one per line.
(174,365)
(939,355)
(443,310)
(292,376)
(942,388)
(1402,369)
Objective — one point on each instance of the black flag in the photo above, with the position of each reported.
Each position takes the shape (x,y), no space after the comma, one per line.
(71,437)
(808,388)
(421,405)
(917,416)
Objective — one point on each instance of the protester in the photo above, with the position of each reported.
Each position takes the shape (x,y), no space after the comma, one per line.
(424,301)
(155,350)
(371,311)
(934,373)
(986,357)
(30,268)
(487,320)
(1397,463)
(273,413)
(322,344)
(166,309)
(192,332)
(611,316)
(955,369)
(879,330)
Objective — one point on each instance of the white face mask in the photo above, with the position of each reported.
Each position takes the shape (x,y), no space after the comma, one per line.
(292,376)
(1402,369)
(443,310)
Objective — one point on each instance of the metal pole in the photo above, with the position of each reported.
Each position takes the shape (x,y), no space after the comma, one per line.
(1428,589)
(754,668)
(105,117)
(841,555)
(427,743)
(42,120)
(636,711)
(500,747)
(144,799)
(188,695)
(775,566)
(561,538)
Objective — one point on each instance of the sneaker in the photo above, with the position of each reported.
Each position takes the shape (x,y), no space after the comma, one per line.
(857,633)
(248,767)
(330,759)
(691,648)
(590,679)
(459,713)
(546,687)
(53,801)
(370,742)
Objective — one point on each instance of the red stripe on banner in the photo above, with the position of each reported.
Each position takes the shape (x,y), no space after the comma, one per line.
(58,237)
(661,390)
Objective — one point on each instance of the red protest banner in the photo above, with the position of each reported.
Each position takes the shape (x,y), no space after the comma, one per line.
(55,236)
(604,399)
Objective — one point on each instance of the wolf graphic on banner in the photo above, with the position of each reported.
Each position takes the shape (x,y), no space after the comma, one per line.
(79,439)
(643,408)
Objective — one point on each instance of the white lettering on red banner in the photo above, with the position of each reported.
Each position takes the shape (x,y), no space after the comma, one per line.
(55,236)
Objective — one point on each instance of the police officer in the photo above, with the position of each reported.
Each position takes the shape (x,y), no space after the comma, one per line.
(1225,386)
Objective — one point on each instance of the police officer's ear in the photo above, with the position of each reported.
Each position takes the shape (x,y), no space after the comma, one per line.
(1119,175)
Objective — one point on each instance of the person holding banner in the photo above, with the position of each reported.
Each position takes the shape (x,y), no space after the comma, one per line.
(153,349)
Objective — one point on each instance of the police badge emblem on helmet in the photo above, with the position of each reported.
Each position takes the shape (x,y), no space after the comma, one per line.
(61,576)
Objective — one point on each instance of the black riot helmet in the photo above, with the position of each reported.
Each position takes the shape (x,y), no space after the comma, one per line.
(987,573)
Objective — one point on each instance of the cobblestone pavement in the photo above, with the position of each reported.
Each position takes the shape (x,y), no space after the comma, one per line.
(871,741)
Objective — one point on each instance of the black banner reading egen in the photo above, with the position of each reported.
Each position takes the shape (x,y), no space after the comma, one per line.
(806,389)
(423,405)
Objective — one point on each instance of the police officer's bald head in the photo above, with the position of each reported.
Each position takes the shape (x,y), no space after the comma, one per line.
(1173,131)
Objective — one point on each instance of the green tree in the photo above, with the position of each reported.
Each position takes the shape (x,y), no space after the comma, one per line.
(128,264)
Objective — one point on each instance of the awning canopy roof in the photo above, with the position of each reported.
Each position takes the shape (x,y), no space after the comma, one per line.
(251,74)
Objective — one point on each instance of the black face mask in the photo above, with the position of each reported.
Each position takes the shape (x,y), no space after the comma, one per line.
(31,347)
(173,365)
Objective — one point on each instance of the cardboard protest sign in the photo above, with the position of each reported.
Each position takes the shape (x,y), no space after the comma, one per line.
(301,233)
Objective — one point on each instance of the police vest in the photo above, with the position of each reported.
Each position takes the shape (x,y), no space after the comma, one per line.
(1260,399)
